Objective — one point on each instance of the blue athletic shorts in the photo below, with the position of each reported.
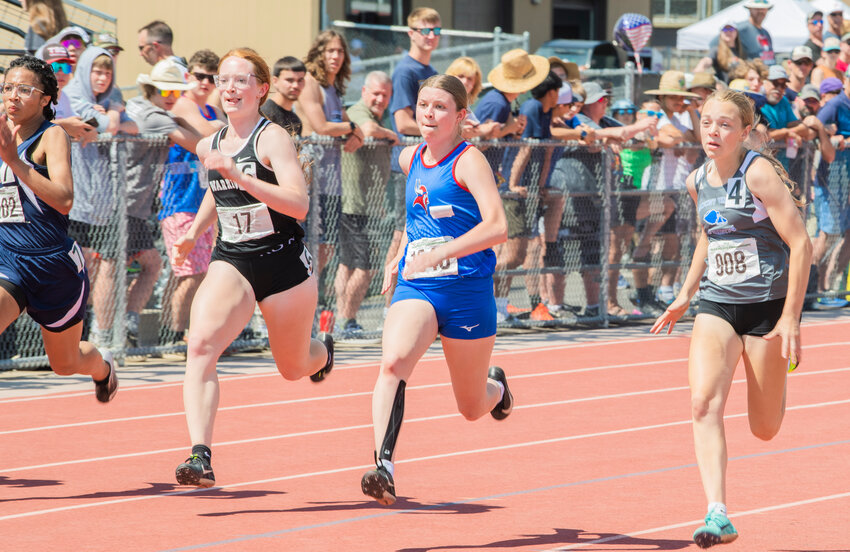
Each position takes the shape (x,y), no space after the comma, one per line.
(465,307)
(55,284)
(831,210)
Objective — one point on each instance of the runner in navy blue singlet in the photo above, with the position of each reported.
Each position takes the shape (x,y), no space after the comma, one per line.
(445,276)
(257,191)
(42,270)
(751,266)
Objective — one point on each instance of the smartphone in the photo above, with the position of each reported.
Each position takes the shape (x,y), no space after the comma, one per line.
(92,122)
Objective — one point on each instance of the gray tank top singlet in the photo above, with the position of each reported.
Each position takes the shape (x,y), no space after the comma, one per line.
(747,260)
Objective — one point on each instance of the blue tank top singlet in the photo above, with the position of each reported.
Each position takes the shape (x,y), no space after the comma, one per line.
(182,190)
(28,224)
(439,209)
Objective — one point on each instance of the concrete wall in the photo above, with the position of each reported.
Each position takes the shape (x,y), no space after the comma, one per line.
(273,28)
(535,18)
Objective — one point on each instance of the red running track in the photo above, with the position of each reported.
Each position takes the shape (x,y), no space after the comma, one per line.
(597,455)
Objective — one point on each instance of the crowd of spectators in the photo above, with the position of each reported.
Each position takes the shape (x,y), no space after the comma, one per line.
(551,193)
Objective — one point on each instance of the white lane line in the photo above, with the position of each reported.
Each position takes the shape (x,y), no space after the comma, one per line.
(698,522)
(411,388)
(405,461)
(413,420)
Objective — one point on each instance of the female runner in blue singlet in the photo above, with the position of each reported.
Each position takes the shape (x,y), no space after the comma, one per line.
(445,276)
(257,191)
(757,253)
(41,269)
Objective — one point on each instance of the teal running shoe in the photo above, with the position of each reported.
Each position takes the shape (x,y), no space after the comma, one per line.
(717,530)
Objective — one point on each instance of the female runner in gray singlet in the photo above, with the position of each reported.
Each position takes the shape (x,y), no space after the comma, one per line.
(757,253)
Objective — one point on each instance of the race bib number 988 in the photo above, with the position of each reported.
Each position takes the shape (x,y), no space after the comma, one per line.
(733,261)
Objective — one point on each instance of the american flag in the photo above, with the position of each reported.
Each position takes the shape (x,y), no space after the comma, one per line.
(637,27)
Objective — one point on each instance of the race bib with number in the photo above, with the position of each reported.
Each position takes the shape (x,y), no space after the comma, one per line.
(244,223)
(733,261)
(11,209)
(447,268)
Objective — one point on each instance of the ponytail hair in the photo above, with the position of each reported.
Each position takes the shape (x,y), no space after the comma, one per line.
(746,112)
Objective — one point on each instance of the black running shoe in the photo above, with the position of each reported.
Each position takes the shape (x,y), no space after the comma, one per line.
(379,484)
(106,389)
(503,409)
(328,340)
(195,471)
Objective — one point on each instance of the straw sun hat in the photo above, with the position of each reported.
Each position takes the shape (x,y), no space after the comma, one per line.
(672,84)
(519,72)
(166,75)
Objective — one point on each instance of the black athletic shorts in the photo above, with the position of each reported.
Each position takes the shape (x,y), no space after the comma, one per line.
(624,210)
(274,271)
(355,247)
(746,318)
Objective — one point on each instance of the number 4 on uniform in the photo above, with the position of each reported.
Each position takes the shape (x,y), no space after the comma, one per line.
(736,193)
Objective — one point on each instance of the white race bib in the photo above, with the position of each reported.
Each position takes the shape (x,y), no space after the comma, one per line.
(733,261)
(447,268)
(11,209)
(244,223)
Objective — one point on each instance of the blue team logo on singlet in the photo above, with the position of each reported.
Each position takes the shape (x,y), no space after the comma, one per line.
(713,217)
(421,196)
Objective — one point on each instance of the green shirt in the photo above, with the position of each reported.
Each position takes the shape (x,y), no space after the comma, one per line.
(634,163)
(366,171)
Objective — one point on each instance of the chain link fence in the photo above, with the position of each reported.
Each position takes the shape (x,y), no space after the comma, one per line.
(594,237)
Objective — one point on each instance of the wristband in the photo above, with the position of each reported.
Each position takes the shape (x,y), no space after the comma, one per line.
(352,126)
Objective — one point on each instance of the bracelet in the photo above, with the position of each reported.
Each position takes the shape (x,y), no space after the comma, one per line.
(352,126)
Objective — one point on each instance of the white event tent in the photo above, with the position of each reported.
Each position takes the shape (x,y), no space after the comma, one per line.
(786,23)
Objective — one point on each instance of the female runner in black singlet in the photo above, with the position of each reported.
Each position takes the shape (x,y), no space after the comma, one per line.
(257,191)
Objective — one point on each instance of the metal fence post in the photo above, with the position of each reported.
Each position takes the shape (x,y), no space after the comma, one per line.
(117,178)
(497,35)
(605,229)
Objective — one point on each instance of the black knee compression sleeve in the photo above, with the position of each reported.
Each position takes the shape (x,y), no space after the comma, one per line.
(394,425)
(554,256)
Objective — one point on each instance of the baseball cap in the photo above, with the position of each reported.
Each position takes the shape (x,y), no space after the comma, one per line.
(801,52)
(565,94)
(830,84)
(776,72)
(809,91)
(831,44)
(105,40)
(814,15)
(593,92)
(54,52)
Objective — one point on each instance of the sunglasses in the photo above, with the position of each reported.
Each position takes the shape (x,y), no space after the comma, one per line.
(167,93)
(816,22)
(61,67)
(779,83)
(425,31)
(803,61)
(728,29)
(651,113)
(74,43)
(201,77)
(627,111)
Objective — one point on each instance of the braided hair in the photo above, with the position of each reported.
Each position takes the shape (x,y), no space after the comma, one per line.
(46,78)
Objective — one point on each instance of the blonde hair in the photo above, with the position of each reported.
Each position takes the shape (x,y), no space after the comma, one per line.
(463,66)
(725,54)
(47,17)
(423,15)
(261,68)
(747,115)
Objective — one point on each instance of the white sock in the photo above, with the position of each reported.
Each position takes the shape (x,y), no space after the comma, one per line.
(718,507)
(387,465)
(502,304)
(501,389)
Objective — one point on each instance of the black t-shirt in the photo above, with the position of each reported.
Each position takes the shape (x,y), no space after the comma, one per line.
(280,116)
